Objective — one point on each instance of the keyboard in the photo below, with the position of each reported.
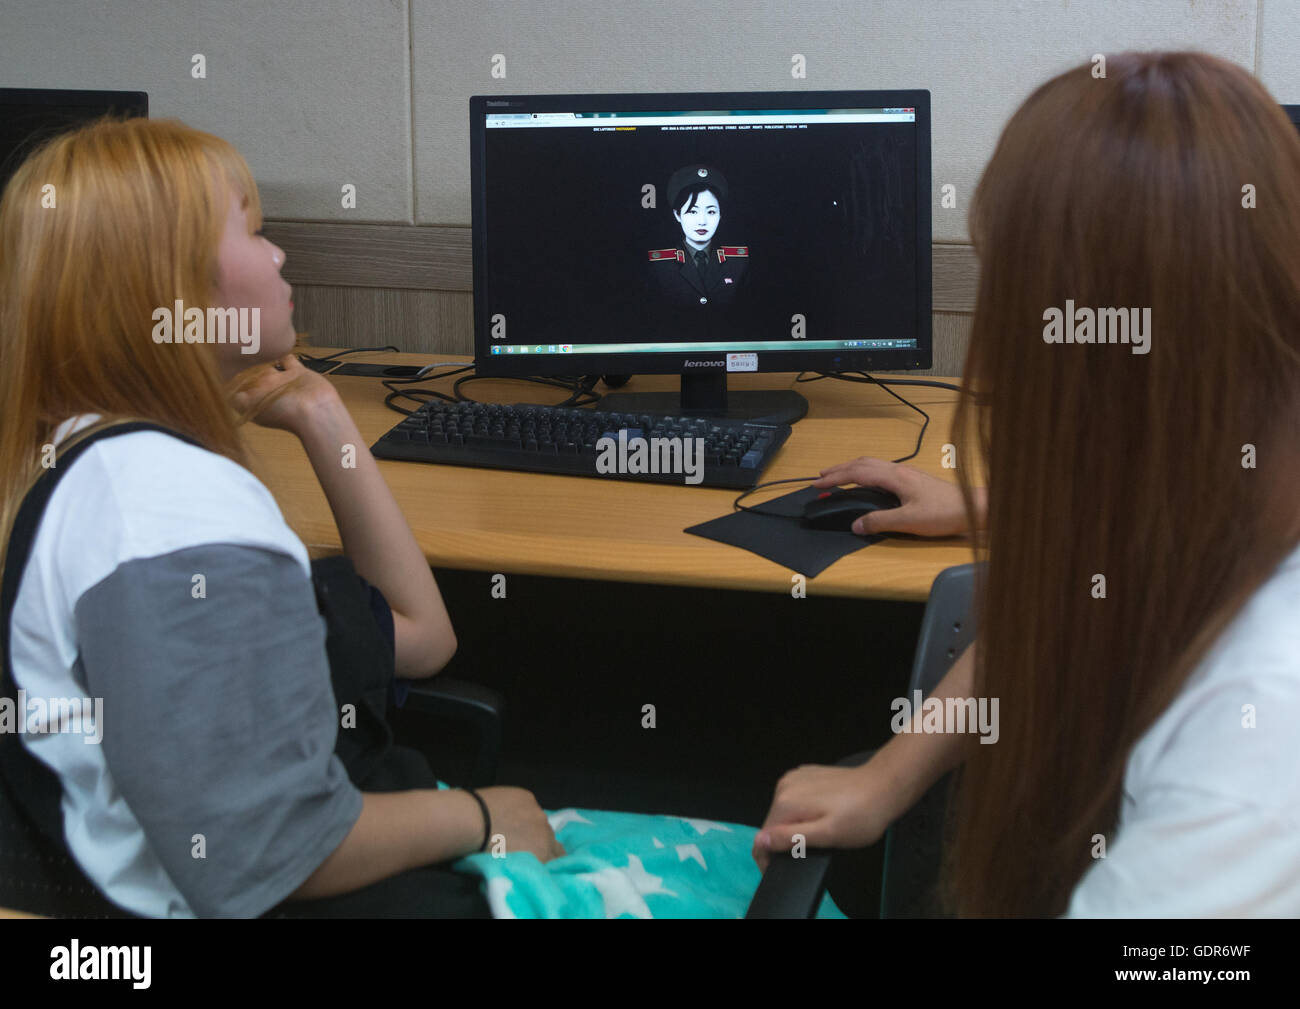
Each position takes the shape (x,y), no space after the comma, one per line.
(584,442)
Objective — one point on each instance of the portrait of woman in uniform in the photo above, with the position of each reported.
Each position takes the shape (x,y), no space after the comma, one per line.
(698,272)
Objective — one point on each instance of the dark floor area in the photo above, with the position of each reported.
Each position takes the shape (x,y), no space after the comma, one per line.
(745,686)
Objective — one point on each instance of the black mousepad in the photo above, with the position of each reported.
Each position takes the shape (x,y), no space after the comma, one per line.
(781,536)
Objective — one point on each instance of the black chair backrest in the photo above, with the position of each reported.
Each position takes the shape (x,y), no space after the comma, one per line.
(913,843)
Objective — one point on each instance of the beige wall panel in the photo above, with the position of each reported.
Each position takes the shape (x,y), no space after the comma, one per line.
(314,95)
(1279,49)
(979,58)
(320,94)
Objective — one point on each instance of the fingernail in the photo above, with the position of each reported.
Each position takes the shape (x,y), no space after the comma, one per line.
(762,838)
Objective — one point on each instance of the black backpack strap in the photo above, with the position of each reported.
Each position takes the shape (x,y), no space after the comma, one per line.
(361,668)
(35,862)
(37,871)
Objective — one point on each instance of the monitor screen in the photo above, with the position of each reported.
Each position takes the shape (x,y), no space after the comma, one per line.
(30,116)
(653,233)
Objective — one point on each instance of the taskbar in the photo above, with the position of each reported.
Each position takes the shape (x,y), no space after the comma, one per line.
(701,348)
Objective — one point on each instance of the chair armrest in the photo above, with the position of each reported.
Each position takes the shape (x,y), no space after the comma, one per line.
(793,887)
(463,701)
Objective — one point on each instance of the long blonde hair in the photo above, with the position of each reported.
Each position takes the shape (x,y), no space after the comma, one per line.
(98,228)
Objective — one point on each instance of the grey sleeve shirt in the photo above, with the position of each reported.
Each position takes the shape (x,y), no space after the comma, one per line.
(219,720)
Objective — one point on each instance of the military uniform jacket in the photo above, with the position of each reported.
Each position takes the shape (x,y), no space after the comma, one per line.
(683,284)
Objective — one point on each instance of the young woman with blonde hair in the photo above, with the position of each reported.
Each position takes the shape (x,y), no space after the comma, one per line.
(219,723)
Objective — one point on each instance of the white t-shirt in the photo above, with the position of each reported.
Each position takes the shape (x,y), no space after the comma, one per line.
(1209,821)
(164,585)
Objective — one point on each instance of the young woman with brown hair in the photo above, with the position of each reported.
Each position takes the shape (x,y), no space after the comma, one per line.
(1137,621)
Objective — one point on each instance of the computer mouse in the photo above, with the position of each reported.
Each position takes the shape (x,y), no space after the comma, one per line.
(837,510)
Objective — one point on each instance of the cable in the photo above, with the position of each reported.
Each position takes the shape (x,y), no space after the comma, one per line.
(421,396)
(353,350)
(868,379)
(847,377)
(818,375)
(579,387)
(737,506)
(920,381)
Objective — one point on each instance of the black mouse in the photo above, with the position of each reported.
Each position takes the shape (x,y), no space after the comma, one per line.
(837,510)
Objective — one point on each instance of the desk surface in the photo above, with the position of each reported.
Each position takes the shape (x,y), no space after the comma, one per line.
(580,527)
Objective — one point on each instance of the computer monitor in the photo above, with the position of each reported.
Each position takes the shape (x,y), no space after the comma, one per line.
(30,116)
(1293,113)
(701,235)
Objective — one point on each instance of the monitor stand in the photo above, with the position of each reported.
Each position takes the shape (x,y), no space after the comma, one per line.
(706,395)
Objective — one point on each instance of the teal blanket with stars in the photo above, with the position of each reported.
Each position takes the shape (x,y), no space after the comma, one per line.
(628,865)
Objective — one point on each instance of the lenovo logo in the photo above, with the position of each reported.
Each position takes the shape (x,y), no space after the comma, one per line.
(704,364)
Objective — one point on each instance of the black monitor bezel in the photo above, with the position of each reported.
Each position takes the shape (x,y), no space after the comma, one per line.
(660,363)
(1293,113)
(136,101)
(129,104)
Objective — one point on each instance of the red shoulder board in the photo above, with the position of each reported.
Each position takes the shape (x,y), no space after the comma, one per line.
(732,251)
(673,254)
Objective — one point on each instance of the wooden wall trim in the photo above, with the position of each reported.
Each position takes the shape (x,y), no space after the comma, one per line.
(374,255)
(956,273)
(418,257)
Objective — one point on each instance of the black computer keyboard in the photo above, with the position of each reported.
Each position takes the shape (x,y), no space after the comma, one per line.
(542,439)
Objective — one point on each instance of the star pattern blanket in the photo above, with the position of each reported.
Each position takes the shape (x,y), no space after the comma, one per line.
(628,865)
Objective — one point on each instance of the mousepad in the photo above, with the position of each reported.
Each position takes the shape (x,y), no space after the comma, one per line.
(781,537)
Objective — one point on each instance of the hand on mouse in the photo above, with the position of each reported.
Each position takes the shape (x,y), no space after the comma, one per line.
(930,507)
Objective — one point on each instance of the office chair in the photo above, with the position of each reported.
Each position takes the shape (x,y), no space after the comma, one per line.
(793,888)
(463,701)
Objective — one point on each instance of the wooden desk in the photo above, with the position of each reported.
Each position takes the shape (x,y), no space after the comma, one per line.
(577,527)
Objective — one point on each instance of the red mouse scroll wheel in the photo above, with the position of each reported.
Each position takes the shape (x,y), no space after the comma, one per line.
(823,494)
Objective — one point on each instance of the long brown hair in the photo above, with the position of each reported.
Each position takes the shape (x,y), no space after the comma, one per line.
(1126,191)
(98,228)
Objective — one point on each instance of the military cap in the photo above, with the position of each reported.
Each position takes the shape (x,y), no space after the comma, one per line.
(692,174)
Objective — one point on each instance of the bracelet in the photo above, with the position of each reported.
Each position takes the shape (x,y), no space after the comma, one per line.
(487,818)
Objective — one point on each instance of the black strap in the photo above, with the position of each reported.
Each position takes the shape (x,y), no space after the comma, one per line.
(33,791)
(43,804)
(37,871)
(361,670)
